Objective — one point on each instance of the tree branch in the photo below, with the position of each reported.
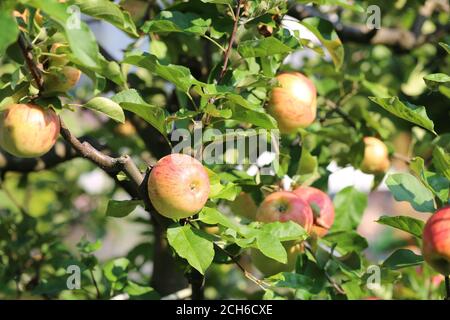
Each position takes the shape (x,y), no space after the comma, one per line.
(26,49)
(230,44)
(400,40)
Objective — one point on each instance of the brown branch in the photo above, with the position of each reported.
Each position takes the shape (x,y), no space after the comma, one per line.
(26,49)
(61,152)
(232,38)
(400,40)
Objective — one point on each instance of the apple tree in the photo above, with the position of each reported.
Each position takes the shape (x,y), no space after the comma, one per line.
(216,130)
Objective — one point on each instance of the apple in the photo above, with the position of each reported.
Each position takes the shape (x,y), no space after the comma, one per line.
(63,81)
(28,130)
(284,206)
(322,208)
(244,206)
(376,158)
(436,241)
(178,186)
(294,102)
(268,267)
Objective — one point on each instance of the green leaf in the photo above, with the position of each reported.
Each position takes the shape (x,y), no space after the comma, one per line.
(191,245)
(406,111)
(292,280)
(219,190)
(271,247)
(441,161)
(9,30)
(445,91)
(347,241)
(437,184)
(349,206)
(107,107)
(180,76)
(80,37)
(131,100)
(402,258)
(110,12)
(214,216)
(262,47)
(120,209)
(325,32)
(285,231)
(404,223)
(143,292)
(129,96)
(434,80)
(174,21)
(87,247)
(352,289)
(405,187)
(116,270)
(258,118)
(445,46)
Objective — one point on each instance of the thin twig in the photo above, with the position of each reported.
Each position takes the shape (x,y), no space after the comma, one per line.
(401,157)
(26,49)
(95,284)
(246,273)
(230,44)
(335,108)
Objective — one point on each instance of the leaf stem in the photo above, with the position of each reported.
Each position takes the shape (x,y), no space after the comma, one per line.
(214,42)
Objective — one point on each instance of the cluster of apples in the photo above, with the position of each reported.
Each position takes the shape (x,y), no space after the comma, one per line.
(28,130)
(308,206)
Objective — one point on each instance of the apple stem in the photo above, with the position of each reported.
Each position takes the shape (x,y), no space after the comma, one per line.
(447,287)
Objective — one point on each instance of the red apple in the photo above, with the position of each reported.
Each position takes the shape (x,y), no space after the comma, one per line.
(284,206)
(178,186)
(294,102)
(322,208)
(376,158)
(436,241)
(28,130)
(269,267)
